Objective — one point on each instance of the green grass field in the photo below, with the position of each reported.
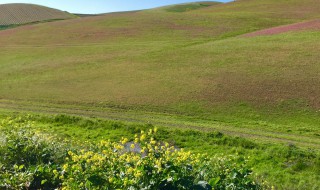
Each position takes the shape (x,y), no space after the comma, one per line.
(179,67)
(284,166)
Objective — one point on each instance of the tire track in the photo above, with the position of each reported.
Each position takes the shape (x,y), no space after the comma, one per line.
(165,121)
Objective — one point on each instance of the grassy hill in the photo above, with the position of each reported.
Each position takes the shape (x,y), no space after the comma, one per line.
(195,63)
(18,13)
(198,56)
(192,69)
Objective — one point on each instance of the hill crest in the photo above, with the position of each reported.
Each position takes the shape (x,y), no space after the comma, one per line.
(20,13)
(185,7)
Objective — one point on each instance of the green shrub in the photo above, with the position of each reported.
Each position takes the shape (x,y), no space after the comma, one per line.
(27,158)
(35,161)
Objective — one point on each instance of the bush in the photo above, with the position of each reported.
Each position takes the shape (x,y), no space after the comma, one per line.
(27,158)
(29,162)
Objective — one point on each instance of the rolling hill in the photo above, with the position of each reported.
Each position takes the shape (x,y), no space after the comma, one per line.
(165,60)
(197,63)
(205,67)
(17,13)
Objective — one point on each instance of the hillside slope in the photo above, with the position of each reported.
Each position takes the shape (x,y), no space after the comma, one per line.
(12,14)
(143,58)
(193,62)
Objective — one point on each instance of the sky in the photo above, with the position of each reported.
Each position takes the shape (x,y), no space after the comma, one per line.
(101,6)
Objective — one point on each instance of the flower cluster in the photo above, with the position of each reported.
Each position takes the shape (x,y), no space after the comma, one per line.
(143,163)
(31,160)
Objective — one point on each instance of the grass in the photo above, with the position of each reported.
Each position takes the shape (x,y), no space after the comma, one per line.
(291,128)
(38,160)
(193,70)
(6,27)
(189,6)
(106,60)
(276,163)
(219,78)
(258,80)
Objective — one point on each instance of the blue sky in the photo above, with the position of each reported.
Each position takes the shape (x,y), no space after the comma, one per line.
(101,6)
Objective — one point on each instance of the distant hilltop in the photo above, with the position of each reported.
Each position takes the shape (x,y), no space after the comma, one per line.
(18,13)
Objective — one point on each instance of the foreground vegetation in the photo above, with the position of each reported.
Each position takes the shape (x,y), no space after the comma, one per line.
(281,166)
(33,160)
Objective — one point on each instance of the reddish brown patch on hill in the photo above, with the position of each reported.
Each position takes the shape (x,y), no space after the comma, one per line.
(7,32)
(233,87)
(12,31)
(310,25)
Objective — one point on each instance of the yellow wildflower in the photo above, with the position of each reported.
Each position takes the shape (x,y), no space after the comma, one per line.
(143,137)
(124,141)
(65,166)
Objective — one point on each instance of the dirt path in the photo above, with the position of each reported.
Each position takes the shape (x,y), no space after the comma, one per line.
(166,120)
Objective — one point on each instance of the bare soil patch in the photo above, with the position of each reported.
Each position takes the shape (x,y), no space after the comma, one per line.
(309,25)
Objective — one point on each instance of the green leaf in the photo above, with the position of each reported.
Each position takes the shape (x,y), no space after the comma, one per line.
(43,181)
(214,181)
(40,169)
(21,167)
